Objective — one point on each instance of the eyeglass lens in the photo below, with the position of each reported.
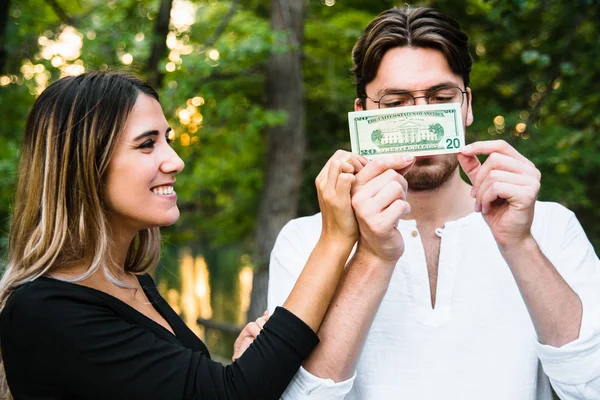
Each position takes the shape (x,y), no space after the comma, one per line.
(440,96)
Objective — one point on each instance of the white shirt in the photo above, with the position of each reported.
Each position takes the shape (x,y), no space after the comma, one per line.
(479,342)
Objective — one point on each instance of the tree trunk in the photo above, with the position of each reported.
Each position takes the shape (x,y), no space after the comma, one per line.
(159,44)
(286,144)
(4,7)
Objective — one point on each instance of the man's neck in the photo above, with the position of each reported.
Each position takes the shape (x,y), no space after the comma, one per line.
(448,202)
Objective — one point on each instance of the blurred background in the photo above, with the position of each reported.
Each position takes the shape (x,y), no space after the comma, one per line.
(257,92)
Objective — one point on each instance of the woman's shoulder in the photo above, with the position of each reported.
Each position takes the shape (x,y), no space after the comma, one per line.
(38,294)
(48,301)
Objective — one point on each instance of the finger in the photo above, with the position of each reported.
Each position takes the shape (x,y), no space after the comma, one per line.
(243,334)
(411,163)
(358,162)
(374,186)
(344,184)
(506,177)
(253,329)
(261,321)
(368,208)
(394,212)
(386,196)
(381,164)
(322,174)
(346,167)
(497,161)
(242,348)
(469,164)
(245,344)
(493,146)
(332,174)
(506,191)
(363,160)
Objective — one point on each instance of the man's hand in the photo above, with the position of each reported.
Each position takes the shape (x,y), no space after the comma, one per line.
(505,188)
(379,201)
(247,336)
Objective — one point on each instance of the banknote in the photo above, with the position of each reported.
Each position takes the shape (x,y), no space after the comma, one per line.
(417,130)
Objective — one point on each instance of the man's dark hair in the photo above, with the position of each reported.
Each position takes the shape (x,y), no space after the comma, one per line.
(414,27)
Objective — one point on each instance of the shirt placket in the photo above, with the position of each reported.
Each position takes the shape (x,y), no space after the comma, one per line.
(415,272)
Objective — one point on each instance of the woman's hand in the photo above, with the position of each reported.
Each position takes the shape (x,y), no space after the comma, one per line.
(334,184)
(247,336)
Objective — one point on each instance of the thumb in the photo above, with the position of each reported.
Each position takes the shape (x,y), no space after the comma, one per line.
(408,163)
(469,164)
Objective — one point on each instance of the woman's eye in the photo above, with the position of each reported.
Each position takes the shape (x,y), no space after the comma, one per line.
(148,144)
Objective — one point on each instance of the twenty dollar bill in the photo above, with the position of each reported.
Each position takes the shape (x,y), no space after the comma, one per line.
(417,130)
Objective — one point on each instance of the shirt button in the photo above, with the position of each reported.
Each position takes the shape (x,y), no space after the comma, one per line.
(414,233)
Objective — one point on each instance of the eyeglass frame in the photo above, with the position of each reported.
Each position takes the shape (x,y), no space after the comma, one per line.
(408,92)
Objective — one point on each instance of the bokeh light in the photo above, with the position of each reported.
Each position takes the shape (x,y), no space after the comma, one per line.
(127,59)
(183,15)
(198,101)
(214,54)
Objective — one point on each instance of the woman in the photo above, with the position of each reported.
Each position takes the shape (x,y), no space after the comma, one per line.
(80,317)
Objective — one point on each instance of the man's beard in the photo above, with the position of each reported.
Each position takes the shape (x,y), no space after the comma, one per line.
(431,173)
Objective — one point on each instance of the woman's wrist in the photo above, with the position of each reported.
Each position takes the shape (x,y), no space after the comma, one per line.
(336,244)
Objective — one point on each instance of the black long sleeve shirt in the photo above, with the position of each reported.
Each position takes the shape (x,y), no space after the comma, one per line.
(66,341)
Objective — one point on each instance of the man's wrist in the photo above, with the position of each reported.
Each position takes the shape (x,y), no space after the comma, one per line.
(516,251)
(366,258)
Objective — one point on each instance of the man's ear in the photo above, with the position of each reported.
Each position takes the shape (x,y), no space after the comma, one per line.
(469,118)
(358,105)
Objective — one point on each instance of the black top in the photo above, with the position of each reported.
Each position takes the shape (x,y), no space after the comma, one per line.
(66,341)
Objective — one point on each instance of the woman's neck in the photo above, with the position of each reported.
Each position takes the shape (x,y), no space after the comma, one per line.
(118,246)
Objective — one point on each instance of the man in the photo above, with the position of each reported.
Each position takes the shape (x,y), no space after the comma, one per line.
(478,292)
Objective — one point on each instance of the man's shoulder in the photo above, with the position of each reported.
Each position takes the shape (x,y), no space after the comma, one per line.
(299,235)
(548,212)
(304,226)
(551,207)
(552,223)
(308,222)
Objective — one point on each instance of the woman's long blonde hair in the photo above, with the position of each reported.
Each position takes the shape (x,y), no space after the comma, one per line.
(59,213)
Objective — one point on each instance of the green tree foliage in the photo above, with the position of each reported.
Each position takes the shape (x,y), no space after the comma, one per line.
(534,81)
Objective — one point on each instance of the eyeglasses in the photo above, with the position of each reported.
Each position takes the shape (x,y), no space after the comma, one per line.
(441,95)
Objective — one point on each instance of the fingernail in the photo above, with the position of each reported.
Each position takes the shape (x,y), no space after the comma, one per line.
(266,313)
(473,191)
(407,210)
(408,158)
(467,148)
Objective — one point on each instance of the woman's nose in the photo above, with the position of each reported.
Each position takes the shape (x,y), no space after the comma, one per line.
(172,163)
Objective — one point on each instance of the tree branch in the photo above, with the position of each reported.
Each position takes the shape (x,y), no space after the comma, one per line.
(221,28)
(60,12)
(4,7)
(159,44)
(286,13)
(219,326)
